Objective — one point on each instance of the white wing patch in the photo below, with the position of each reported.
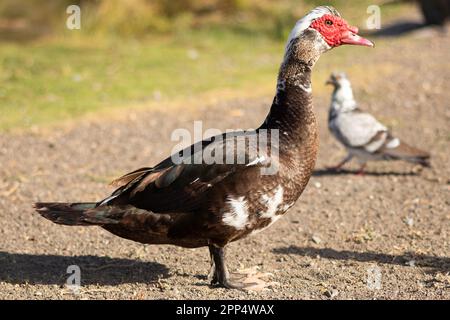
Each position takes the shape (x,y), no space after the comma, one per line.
(273,206)
(272,203)
(237,217)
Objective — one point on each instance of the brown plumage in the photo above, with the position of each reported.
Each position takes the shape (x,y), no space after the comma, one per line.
(194,204)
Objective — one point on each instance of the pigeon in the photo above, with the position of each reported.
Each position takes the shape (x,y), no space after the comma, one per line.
(189,201)
(364,137)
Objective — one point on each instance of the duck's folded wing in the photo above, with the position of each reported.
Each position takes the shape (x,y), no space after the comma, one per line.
(184,182)
(360,130)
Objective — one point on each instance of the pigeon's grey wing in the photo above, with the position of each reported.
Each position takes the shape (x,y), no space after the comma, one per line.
(359,130)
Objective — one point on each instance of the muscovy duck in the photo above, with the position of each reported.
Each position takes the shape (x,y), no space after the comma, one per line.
(192,204)
(363,136)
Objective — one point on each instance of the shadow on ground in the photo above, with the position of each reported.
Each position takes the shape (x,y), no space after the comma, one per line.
(333,172)
(437,264)
(21,268)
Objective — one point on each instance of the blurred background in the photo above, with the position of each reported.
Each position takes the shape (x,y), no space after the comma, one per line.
(150,52)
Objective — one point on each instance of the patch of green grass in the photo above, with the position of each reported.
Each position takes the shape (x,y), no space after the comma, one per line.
(55,80)
(47,81)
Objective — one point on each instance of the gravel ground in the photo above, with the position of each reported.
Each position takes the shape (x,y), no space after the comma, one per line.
(394,221)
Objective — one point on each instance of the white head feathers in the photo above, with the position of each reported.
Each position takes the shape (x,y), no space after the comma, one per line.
(306,21)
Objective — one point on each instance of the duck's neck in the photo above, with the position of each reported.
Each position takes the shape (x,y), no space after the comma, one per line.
(292,109)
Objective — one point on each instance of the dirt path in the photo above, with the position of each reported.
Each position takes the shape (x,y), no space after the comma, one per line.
(392,221)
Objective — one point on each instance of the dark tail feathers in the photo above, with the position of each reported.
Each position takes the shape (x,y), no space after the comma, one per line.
(75,214)
(408,153)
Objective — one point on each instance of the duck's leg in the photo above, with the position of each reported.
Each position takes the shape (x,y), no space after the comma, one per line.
(340,164)
(220,275)
(213,277)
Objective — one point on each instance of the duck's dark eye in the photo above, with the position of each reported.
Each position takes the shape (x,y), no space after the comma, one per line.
(328,22)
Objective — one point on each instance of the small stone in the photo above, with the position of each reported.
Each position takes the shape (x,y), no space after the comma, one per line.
(318,185)
(332,293)
(316,239)
(409,221)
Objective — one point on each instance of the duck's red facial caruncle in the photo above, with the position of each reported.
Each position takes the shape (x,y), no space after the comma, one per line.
(336,31)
